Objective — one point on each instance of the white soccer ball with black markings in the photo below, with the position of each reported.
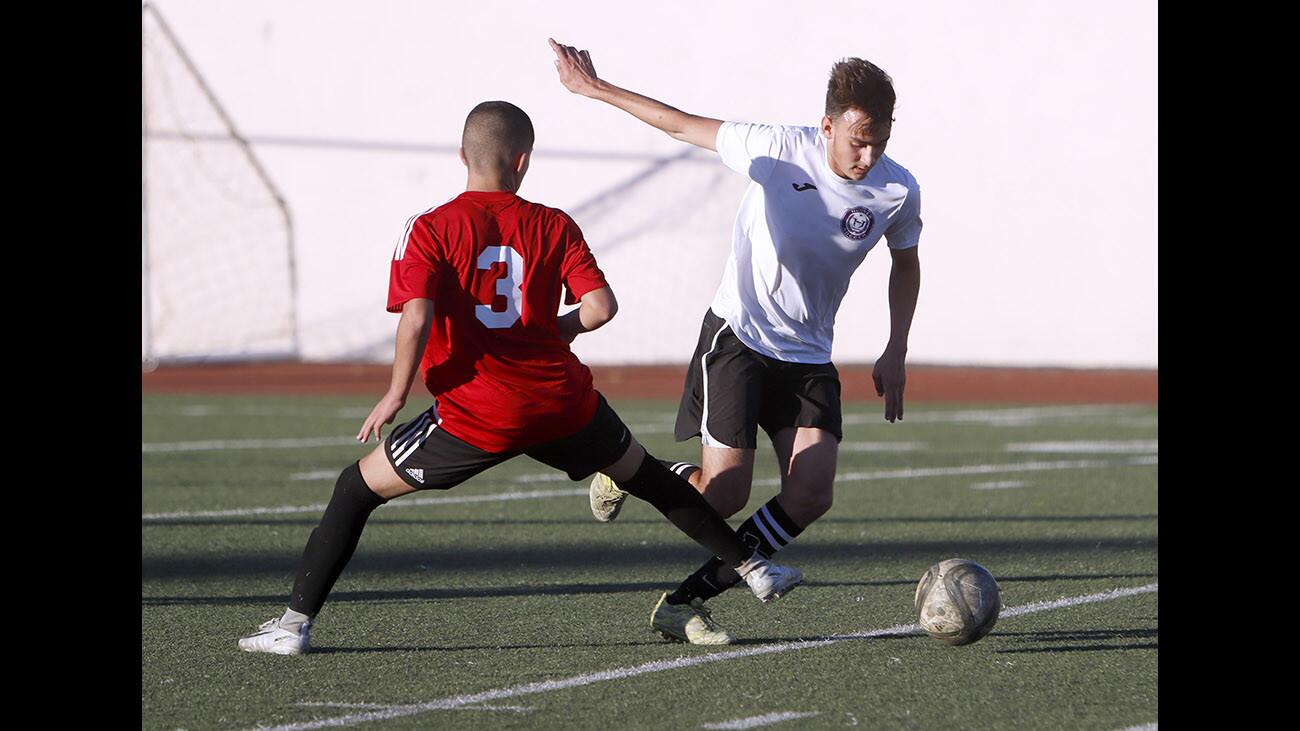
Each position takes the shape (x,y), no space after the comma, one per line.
(957,601)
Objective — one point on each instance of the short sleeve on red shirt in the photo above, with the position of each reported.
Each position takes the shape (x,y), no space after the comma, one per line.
(415,268)
(578,269)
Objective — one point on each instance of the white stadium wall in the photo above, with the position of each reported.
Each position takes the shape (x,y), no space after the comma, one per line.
(1032,128)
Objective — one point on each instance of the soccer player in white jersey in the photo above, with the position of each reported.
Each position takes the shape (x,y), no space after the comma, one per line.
(819,199)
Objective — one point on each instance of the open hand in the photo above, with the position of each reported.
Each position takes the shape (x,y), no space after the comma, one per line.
(383,413)
(577,73)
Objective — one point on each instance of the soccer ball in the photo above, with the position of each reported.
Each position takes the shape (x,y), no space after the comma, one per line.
(957,601)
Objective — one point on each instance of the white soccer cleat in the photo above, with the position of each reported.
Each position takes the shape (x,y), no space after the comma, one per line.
(606,498)
(688,623)
(769,581)
(271,637)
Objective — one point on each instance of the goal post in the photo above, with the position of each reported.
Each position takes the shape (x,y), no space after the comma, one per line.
(217,266)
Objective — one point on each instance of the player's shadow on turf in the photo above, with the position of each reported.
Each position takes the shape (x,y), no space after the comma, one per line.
(815,638)
(317,650)
(435,521)
(1001,579)
(1075,577)
(418,595)
(382,520)
(627,556)
(1050,641)
(647,587)
(993,519)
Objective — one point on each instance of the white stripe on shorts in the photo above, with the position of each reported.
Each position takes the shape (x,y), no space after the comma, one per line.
(414,435)
(705,437)
(402,439)
(415,445)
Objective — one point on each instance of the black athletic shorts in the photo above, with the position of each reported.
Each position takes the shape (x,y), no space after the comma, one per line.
(428,458)
(731,390)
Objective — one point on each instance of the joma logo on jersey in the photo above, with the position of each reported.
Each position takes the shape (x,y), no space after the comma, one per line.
(857,223)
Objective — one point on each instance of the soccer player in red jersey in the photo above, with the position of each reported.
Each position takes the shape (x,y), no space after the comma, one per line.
(478,282)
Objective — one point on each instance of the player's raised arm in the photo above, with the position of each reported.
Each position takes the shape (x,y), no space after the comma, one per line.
(578,75)
(412,334)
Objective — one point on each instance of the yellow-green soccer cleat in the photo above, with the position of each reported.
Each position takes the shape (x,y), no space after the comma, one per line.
(688,623)
(606,498)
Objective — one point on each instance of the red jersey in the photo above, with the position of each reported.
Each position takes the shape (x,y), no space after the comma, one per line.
(493,264)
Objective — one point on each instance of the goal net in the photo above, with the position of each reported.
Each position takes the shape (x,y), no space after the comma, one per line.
(217,271)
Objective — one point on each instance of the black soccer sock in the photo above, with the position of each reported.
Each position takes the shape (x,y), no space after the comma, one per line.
(686,508)
(331,545)
(768,530)
(681,469)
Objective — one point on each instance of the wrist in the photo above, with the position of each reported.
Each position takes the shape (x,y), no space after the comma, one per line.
(601,90)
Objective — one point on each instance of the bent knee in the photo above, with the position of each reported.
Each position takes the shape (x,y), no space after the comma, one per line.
(805,506)
(727,496)
(727,507)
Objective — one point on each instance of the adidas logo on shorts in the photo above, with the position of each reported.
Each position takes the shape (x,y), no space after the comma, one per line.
(418,474)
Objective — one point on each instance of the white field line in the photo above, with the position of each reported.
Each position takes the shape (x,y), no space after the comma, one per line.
(1144,727)
(404,503)
(364,706)
(553,476)
(977,469)
(198,410)
(659,427)
(757,721)
(1030,414)
(1132,446)
(661,419)
(548,686)
(319,475)
(217,445)
(214,445)
(882,446)
(1008,485)
(984,469)
(386,706)
(997,417)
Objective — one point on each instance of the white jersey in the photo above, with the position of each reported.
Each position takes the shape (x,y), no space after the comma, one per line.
(800,234)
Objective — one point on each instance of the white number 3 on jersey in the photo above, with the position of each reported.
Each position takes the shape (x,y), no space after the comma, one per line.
(510,285)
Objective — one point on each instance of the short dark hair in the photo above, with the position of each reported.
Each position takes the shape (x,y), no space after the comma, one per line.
(859,84)
(495,132)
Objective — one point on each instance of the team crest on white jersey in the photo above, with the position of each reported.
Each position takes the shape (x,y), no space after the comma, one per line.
(857,223)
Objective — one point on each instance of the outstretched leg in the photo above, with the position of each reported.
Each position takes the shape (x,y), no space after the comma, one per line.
(361,487)
(645,477)
(807,458)
(605,445)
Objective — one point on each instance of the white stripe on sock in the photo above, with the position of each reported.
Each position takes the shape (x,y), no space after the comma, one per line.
(775,526)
